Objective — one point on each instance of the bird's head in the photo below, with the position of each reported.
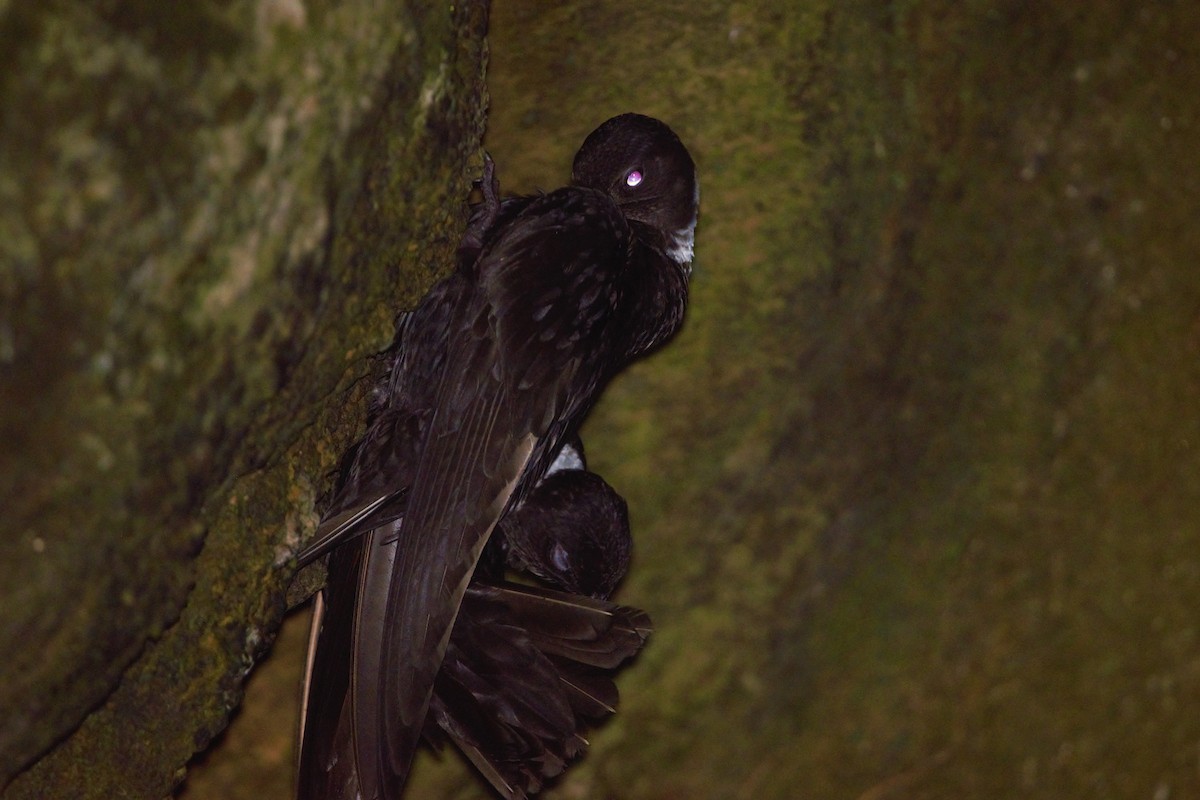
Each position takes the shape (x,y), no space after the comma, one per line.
(572,532)
(642,165)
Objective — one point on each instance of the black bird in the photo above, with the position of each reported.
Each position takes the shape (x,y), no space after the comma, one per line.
(554,294)
(528,670)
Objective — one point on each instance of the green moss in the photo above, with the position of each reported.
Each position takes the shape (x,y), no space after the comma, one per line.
(204,261)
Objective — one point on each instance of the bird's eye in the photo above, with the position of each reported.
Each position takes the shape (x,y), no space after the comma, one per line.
(558,557)
(633,177)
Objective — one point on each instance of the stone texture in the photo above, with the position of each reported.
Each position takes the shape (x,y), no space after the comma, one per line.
(210,214)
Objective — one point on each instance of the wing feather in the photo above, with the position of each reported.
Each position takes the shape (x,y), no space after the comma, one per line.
(516,707)
(508,367)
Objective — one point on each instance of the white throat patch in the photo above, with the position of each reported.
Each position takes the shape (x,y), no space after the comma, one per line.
(568,458)
(683,244)
(683,240)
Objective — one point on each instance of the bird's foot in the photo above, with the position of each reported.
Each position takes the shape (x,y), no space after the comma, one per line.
(484,215)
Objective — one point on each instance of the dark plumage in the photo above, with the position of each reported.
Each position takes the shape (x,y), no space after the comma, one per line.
(573,533)
(528,670)
(494,370)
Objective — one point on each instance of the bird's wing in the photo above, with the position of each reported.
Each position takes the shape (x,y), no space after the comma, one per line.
(328,767)
(378,472)
(520,369)
(527,672)
(373,512)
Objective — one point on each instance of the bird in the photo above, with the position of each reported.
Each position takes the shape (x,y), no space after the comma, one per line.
(529,669)
(553,294)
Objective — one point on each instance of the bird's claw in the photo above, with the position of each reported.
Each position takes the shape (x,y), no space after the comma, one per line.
(483,216)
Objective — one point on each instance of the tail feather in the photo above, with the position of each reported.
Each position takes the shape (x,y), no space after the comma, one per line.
(582,629)
(592,694)
(528,670)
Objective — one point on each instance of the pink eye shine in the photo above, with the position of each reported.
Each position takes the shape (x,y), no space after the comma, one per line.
(633,178)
